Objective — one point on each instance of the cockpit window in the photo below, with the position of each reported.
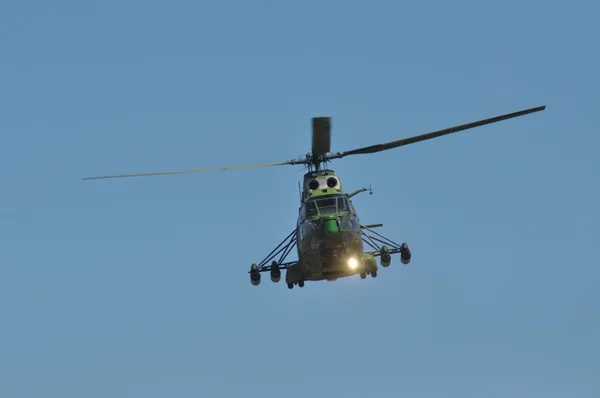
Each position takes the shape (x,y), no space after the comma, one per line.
(311,209)
(326,205)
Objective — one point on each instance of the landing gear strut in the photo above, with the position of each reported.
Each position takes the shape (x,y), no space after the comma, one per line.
(379,244)
(277,266)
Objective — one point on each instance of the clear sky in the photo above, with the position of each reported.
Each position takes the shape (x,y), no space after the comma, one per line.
(139,287)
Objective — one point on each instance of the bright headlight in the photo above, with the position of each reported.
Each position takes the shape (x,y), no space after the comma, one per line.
(352,263)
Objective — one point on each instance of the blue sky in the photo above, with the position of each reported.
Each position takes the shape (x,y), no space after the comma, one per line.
(139,287)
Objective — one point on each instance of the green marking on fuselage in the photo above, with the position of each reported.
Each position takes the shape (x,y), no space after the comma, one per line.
(331,227)
(321,188)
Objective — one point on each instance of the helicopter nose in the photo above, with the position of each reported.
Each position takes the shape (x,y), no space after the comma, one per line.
(331,227)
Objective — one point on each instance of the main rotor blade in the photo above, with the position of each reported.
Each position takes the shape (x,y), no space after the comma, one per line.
(435,134)
(321,136)
(250,166)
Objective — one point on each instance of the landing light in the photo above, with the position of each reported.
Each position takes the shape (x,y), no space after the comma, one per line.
(352,263)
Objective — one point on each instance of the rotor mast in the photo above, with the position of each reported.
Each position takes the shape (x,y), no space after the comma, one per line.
(315,164)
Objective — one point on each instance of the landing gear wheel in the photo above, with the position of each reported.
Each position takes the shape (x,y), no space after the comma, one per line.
(275,272)
(254,275)
(301,283)
(405,253)
(290,285)
(386,257)
(363,275)
(374,274)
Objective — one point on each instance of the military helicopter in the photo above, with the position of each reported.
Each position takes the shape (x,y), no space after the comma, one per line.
(329,237)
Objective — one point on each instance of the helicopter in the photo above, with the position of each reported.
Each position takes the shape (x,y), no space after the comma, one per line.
(328,236)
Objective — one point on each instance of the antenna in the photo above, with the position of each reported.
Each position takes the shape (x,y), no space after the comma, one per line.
(299,191)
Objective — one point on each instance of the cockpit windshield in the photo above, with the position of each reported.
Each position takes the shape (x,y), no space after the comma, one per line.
(326,205)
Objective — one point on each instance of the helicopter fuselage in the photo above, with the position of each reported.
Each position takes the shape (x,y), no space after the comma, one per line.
(328,233)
